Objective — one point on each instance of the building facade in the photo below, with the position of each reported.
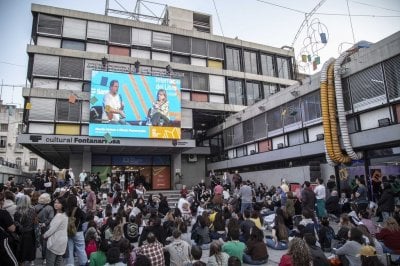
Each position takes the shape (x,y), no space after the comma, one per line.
(15,160)
(284,136)
(219,77)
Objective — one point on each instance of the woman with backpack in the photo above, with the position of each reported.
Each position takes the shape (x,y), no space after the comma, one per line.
(56,236)
(76,239)
(45,214)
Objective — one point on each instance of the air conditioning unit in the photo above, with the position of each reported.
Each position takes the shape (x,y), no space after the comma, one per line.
(252,152)
(320,136)
(280,145)
(192,158)
(384,122)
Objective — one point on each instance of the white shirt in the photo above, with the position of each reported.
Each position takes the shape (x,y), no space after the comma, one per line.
(82,176)
(320,192)
(114,102)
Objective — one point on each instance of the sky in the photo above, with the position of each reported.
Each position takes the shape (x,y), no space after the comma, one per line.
(269,22)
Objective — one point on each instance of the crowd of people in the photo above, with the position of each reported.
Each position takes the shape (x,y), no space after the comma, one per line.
(118,222)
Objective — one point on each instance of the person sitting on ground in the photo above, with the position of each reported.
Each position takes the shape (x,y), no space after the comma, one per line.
(156,228)
(390,235)
(365,219)
(201,235)
(279,238)
(344,228)
(245,226)
(218,226)
(153,249)
(113,257)
(372,241)
(217,257)
(325,235)
(178,249)
(332,204)
(196,253)
(318,256)
(98,258)
(234,247)
(298,254)
(369,257)
(348,252)
(256,252)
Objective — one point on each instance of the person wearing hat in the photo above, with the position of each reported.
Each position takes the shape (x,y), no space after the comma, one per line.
(368,256)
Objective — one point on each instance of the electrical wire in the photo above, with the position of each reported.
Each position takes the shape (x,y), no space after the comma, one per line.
(8,63)
(365,4)
(219,20)
(351,22)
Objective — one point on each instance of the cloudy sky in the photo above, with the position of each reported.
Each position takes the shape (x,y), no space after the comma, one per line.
(270,22)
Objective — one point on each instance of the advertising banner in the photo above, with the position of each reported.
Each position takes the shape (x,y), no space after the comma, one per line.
(134,106)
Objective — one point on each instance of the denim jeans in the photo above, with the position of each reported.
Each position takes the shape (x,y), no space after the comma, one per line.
(247,259)
(245,206)
(53,259)
(281,245)
(76,244)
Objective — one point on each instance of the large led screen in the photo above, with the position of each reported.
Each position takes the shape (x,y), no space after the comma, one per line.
(135,106)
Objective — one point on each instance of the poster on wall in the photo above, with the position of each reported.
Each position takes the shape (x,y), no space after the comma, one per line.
(161,177)
(134,106)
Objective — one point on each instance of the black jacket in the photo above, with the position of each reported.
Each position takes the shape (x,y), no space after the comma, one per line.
(386,202)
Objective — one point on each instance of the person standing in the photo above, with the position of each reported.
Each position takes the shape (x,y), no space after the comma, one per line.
(7,226)
(320,194)
(91,200)
(122,179)
(237,179)
(246,195)
(386,202)
(361,197)
(56,236)
(331,184)
(24,218)
(45,213)
(82,178)
(307,197)
(72,177)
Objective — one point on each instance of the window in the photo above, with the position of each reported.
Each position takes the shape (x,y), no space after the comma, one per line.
(18,162)
(215,50)
(49,25)
(20,129)
(274,119)
(311,106)
(42,109)
(181,59)
(184,76)
(353,124)
(120,34)
(181,44)
(233,59)
(228,137)
(74,28)
(118,50)
(260,128)
(139,53)
(297,138)
(96,48)
(253,93)
(74,45)
(291,112)
(67,111)
(3,141)
(235,92)
(98,30)
(267,65)
(71,67)
(237,134)
(161,41)
(346,94)
(45,65)
(250,62)
(199,47)
(199,81)
(49,42)
(248,130)
(283,67)
(141,37)
(392,76)
(32,164)
(217,84)
(367,88)
(270,89)
(3,127)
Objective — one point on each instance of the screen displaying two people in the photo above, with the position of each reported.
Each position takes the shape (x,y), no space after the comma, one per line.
(134,99)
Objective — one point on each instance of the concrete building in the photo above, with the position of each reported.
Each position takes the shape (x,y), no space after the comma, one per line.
(283,136)
(219,76)
(15,160)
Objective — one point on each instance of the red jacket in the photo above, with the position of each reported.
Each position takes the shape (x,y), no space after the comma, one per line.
(286,260)
(390,239)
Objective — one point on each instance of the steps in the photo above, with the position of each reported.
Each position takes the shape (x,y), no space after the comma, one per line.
(172,196)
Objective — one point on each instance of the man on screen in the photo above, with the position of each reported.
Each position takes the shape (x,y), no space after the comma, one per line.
(113,107)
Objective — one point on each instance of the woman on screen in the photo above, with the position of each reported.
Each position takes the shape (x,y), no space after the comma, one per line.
(158,113)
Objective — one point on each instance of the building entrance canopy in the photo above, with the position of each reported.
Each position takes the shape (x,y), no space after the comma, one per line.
(57,148)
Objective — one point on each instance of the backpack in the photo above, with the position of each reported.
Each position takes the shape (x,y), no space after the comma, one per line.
(71,229)
(132,231)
